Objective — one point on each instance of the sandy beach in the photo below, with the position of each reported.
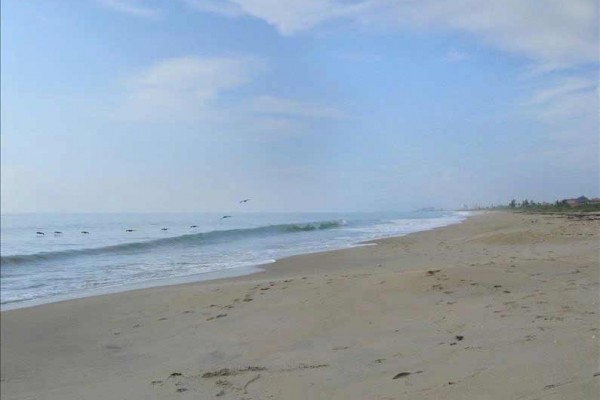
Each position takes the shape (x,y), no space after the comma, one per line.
(501,306)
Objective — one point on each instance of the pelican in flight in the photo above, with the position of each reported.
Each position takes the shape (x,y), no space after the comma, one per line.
(85,232)
(244,201)
(225,217)
(193,226)
(57,232)
(40,233)
(130,230)
(164,229)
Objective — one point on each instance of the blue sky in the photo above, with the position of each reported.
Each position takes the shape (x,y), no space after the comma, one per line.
(190,105)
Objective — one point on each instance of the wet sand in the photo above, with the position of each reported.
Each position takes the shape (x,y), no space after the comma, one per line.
(502,306)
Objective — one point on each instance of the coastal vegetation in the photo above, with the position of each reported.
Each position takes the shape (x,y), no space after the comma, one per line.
(573,205)
(580,204)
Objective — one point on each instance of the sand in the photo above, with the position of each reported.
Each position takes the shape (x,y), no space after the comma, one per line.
(502,306)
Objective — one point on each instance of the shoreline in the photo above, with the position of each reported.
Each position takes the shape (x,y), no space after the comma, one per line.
(454,313)
(224,274)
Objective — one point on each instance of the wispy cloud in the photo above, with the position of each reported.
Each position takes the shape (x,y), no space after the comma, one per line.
(220,7)
(193,88)
(277,106)
(185,88)
(556,37)
(569,86)
(568,108)
(570,101)
(136,8)
(287,16)
(553,32)
(455,56)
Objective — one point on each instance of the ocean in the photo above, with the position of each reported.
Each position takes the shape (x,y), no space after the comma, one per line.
(126,251)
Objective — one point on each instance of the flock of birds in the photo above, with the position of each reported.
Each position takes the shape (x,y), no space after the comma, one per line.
(58,233)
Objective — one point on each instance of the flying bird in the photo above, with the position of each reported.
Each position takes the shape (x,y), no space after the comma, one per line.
(40,233)
(85,232)
(193,226)
(224,217)
(164,229)
(244,201)
(130,230)
(57,232)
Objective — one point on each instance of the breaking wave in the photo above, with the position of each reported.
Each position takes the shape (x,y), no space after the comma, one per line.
(196,239)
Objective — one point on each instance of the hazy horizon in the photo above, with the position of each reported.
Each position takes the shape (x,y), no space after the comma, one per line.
(137,106)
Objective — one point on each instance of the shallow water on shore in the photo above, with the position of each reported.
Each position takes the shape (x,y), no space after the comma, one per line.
(120,250)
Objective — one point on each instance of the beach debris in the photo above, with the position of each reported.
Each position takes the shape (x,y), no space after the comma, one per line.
(403,374)
(218,316)
(221,372)
(156,382)
(230,372)
(249,382)
(459,337)
(305,366)
(174,374)
(221,393)
(433,272)
(341,348)
(181,390)
(497,286)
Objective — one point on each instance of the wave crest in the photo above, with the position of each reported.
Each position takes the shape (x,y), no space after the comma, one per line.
(182,240)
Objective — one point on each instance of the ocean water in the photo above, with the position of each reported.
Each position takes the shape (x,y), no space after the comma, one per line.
(171,248)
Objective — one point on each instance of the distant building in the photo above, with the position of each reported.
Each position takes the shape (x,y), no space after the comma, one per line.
(580,201)
(595,200)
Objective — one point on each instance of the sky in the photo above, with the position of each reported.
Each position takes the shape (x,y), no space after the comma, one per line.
(313,105)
